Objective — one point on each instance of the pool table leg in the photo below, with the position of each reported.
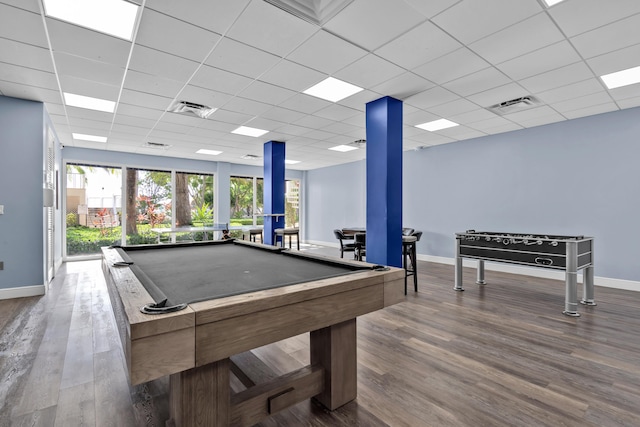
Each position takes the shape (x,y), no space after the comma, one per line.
(334,348)
(201,396)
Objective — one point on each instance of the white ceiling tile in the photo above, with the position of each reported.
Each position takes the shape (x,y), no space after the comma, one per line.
(25,55)
(452,108)
(215,16)
(469,21)
(30,5)
(359,100)
(247,106)
(576,17)
(146,100)
(432,7)
(615,61)
(19,24)
(535,116)
(571,91)
(625,92)
(84,68)
(90,88)
(630,102)
(203,96)
(541,61)
(28,76)
(480,81)
(326,53)
(452,66)
(471,117)
(155,85)
(431,97)
(313,122)
(79,41)
(162,32)
(266,93)
(292,76)
(368,71)
(270,29)
(240,58)
(385,21)
(161,64)
(618,35)
(498,95)
(87,114)
(577,103)
(518,39)
(403,85)
(31,93)
(303,103)
(423,43)
(284,115)
(220,80)
(591,110)
(122,119)
(229,119)
(337,112)
(556,78)
(137,111)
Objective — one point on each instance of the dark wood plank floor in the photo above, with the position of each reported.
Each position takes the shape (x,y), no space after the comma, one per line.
(498,355)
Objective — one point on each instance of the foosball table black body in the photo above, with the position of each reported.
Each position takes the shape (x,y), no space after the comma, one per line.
(567,253)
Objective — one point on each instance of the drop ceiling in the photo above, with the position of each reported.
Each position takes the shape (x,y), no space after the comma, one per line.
(251,60)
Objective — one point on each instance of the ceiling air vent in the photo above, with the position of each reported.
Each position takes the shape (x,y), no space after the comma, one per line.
(250,157)
(359,143)
(191,108)
(157,145)
(515,105)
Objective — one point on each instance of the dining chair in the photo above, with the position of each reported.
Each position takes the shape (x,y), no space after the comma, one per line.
(344,245)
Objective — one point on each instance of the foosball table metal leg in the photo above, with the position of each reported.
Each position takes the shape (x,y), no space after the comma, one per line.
(571,281)
(480,273)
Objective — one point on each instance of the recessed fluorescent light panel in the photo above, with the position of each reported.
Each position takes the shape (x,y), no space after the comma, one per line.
(437,125)
(343,148)
(209,152)
(247,131)
(550,3)
(332,89)
(73,100)
(85,137)
(114,17)
(292,162)
(622,78)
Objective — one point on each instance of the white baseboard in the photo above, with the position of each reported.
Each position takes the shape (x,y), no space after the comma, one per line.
(607,282)
(21,292)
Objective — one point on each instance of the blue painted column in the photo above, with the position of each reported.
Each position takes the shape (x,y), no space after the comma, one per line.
(274,188)
(384,181)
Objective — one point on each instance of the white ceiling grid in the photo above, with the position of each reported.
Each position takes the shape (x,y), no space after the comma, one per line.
(443,58)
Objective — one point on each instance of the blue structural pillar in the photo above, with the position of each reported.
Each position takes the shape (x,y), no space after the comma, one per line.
(384,181)
(274,156)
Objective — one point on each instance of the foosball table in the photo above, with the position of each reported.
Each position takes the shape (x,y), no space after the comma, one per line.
(568,253)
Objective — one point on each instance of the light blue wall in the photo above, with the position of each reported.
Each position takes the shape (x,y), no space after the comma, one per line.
(21,183)
(334,198)
(578,177)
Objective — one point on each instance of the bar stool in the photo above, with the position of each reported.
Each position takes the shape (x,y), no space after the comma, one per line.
(409,244)
(282,232)
(253,232)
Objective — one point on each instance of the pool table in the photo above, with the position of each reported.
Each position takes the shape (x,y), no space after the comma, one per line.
(214,301)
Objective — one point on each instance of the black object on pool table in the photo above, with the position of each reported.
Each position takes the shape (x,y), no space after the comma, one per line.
(568,253)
